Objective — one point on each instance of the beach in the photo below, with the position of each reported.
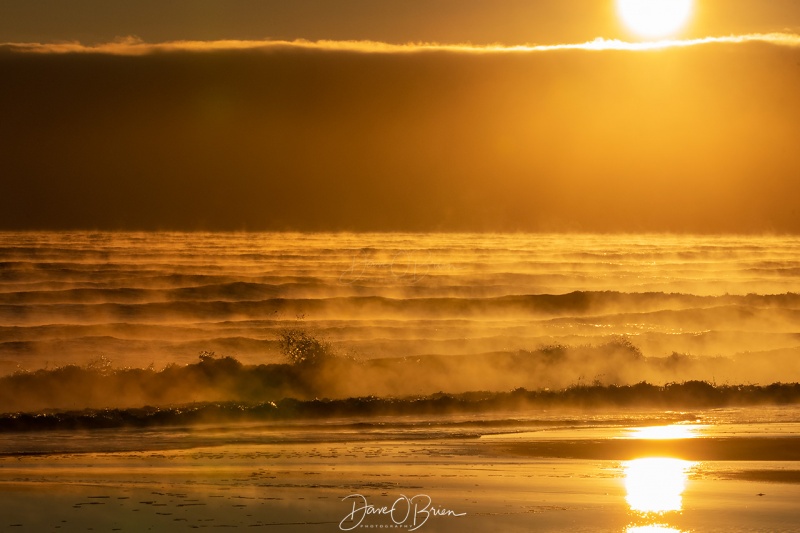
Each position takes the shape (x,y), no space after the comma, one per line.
(314,478)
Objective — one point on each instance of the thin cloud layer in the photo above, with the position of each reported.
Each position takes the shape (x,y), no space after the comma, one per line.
(132,46)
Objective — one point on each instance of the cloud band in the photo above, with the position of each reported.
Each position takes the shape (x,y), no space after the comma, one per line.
(131,46)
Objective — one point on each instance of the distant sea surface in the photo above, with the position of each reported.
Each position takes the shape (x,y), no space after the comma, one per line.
(158,298)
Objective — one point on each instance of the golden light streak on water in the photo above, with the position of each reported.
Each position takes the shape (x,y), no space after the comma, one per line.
(652,529)
(674,431)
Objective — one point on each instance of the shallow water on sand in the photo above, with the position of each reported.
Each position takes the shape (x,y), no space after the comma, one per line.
(512,479)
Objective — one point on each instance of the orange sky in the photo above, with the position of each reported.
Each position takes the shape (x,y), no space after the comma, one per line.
(698,138)
(476,21)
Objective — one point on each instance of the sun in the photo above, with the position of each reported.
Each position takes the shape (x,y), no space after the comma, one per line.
(655,18)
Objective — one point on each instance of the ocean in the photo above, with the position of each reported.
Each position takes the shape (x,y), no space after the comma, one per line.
(160,298)
(177,318)
(304,381)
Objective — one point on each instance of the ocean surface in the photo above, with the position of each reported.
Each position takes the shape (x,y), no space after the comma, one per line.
(544,382)
(141,298)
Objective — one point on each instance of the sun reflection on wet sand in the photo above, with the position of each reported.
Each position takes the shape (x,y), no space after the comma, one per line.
(654,487)
(656,484)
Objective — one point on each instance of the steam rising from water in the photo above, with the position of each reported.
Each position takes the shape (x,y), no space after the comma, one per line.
(584,308)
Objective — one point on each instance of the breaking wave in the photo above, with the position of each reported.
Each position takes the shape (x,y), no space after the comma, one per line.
(642,396)
(316,371)
(408,315)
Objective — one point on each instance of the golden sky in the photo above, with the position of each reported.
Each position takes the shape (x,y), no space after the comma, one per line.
(394,21)
(319,115)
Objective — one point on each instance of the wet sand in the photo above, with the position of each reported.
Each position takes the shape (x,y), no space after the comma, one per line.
(447,485)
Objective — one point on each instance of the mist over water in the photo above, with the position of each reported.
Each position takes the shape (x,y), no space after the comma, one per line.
(472,311)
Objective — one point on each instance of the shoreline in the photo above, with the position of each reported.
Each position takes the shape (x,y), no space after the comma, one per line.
(305,488)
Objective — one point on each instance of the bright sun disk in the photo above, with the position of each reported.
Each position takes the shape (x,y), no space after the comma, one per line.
(655,18)
(655,485)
